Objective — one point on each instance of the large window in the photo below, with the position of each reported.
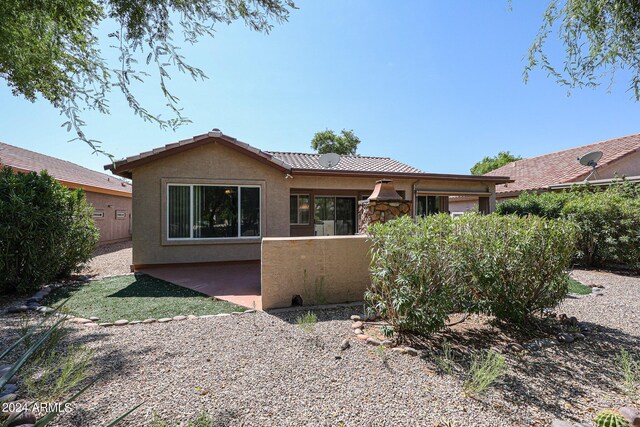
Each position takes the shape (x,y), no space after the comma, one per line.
(212,211)
(299,209)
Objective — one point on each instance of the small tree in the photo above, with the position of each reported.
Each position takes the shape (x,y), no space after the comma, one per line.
(328,141)
(488,164)
(46,230)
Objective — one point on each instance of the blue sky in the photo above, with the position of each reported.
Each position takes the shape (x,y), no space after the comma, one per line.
(435,84)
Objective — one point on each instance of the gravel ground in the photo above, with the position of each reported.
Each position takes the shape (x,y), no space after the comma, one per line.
(261,370)
(110,260)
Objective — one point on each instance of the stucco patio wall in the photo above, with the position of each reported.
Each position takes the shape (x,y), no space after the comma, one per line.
(321,270)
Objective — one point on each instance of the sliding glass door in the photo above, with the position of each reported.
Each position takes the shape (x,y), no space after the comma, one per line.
(334,215)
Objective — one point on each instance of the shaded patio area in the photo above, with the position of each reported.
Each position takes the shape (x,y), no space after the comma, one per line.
(236,282)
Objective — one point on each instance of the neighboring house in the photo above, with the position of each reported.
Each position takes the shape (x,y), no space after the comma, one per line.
(554,171)
(212,197)
(109,195)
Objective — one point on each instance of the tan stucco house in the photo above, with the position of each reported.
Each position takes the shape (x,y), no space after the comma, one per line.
(213,198)
(110,196)
(561,169)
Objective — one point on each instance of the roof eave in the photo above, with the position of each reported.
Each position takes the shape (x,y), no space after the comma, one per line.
(415,175)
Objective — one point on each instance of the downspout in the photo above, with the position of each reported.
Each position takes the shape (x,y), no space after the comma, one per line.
(414,198)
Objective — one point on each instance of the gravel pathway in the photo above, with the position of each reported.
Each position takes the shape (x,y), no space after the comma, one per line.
(262,370)
(110,260)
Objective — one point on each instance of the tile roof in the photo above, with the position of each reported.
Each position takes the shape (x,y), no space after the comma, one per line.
(307,161)
(540,172)
(62,170)
(293,163)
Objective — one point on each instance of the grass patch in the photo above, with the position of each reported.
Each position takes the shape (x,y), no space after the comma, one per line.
(486,368)
(307,321)
(576,287)
(136,297)
(630,369)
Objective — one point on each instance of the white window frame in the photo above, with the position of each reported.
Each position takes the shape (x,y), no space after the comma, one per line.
(215,239)
(298,209)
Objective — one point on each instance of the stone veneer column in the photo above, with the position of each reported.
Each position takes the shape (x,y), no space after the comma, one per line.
(383,205)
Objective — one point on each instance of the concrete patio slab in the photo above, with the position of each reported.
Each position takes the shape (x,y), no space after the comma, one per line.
(236,282)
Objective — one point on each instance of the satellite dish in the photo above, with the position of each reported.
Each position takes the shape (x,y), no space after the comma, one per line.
(590,159)
(329,160)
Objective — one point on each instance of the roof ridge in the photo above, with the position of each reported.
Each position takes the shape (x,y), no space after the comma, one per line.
(319,154)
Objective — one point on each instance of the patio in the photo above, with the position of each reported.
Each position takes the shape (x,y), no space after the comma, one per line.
(236,282)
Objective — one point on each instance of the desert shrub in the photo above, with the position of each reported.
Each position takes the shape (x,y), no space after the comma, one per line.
(609,229)
(507,266)
(547,205)
(608,220)
(46,230)
(413,280)
(514,266)
(486,368)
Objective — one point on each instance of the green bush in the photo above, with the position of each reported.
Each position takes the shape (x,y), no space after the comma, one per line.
(506,266)
(608,221)
(46,230)
(514,266)
(413,279)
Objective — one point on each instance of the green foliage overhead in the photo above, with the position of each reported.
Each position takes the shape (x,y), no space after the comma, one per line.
(46,230)
(51,49)
(608,221)
(488,164)
(328,141)
(510,267)
(599,37)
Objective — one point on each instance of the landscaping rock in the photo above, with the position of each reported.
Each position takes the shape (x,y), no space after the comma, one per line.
(121,322)
(7,398)
(17,419)
(191,317)
(411,351)
(573,321)
(207,316)
(94,318)
(345,344)
(149,321)
(400,350)
(540,344)
(356,325)
(631,414)
(362,337)
(223,315)
(235,313)
(585,329)
(17,309)
(9,388)
(578,336)
(80,320)
(565,338)
(387,343)
(178,318)
(355,317)
(560,423)
(45,310)
(135,322)
(249,311)
(105,324)
(358,331)
(516,348)
(4,369)
(165,320)
(373,341)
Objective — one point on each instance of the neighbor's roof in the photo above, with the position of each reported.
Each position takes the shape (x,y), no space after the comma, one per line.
(293,163)
(538,173)
(69,174)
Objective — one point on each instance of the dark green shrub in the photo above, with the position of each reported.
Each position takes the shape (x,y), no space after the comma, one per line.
(506,266)
(413,279)
(608,220)
(609,229)
(46,230)
(514,266)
